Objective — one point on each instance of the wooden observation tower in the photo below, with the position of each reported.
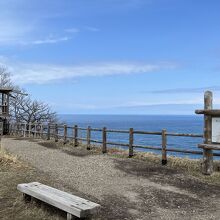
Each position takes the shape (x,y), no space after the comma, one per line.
(5,93)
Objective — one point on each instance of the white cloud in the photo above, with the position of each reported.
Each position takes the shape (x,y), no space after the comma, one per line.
(42,74)
(72,30)
(50,40)
(12,32)
(197,100)
(93,29)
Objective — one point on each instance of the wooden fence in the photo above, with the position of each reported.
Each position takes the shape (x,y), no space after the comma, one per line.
(49,131)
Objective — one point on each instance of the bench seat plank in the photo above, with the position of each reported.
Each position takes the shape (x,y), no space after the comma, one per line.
(67,202)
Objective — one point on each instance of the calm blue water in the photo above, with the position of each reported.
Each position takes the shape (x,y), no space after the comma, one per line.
(178,124)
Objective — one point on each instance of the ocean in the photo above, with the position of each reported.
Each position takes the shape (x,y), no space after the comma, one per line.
(172,123)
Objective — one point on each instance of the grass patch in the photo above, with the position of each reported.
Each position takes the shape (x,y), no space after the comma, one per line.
(8,159)
(12,205)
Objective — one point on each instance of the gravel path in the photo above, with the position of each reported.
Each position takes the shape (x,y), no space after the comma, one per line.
(126,189)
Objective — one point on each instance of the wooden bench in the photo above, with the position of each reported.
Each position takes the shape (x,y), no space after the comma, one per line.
(73,205)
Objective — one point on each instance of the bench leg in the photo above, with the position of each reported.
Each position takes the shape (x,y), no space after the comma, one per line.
(27,198)
(70,217)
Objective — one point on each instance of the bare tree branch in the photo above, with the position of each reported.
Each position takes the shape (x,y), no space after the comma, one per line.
(22,108)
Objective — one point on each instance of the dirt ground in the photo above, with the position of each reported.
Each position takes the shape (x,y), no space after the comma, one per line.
(126,188)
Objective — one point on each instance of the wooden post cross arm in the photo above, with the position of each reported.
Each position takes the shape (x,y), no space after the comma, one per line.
(211,112)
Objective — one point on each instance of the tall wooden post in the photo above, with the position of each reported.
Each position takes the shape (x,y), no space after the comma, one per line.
(35,130)
(56,132)
(64,134)
(19,129)
(48,131)
(75,135)
(104,141)
(131,141)
(207,165)
(29,129)
(41,130)
(88,138)
(164,146)
(25,129)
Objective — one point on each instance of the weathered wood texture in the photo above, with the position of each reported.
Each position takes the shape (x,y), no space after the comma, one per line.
(65,134)
(131,142)
(209,146)
(211,112)
(48,131)
(69,203)
(207,165)
(164,146)
(29,132)
(88,138)
(104,141)
(75,136)
(35,130)
(56,133)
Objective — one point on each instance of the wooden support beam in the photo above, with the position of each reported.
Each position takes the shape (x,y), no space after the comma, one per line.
(104,141)
(41,130)
(35,130)
(25,128)
(76,136)
(164,146)
(64,134)
(207,165)
(131,142)
(56,133)
(212,112)
(88,138)
(70,217)
(48,131)
(29,129)
(210,146)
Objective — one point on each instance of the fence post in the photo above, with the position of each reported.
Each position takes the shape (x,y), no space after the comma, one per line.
(35,130)
(19,131)
(25,127)
(88,138)
(207,165)
(29,127)
(131,141)
(164,146)
(75,136)
(64,134)
(48,131)
(104,140)
(41,130)
(56,133)
(16,129)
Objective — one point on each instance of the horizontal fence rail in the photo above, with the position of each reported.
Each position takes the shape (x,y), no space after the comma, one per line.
(72,134)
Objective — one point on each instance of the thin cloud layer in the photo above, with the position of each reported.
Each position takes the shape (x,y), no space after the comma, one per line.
(51,40)
(42,74)
(187,90)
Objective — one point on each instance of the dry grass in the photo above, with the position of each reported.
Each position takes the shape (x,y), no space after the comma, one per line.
(12,205)
(8,159)
(190,166)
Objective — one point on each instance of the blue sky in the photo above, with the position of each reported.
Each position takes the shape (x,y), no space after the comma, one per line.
(113,56)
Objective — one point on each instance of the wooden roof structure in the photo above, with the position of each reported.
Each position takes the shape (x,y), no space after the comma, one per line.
(5,90)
